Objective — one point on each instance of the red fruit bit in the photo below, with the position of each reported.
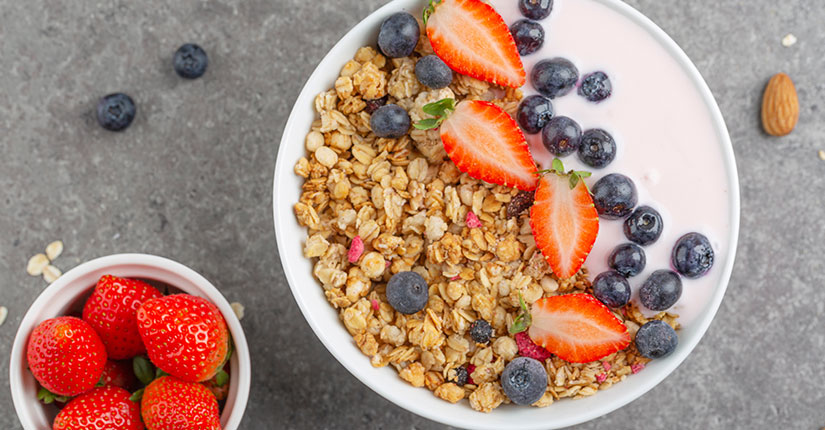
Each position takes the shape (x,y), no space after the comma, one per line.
(473,221)
(636,368)
(470,369)
(528,348)
(606,366)
(355,249)
(375,305)
(601,377)
(455,278)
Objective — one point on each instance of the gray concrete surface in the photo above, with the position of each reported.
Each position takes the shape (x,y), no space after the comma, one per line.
(191,180)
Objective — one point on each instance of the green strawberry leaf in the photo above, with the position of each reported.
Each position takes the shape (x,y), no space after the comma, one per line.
(221,378)
(558,166)
(523,321)
(439,110)
(47,397)
(143,369)
(429,10)
(137,396)
(427,124)
(160,373)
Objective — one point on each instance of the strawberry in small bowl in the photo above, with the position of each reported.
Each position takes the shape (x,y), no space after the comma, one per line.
(95,344)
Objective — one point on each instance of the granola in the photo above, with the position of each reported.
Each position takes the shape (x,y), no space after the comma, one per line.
(374,207)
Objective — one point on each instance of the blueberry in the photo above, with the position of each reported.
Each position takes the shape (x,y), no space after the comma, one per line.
(554,78)
(398,35)
(643,226)
(692,256)
(190,61)
(536,9)
(533,113)
(596,87)
(598,148)
(561,136)
(390,121)
(529,36)
(614,196)
(612,289)
(407,292)
(656,339)
(481,331)
(627,259)
(661,290)
(433,72)
(116,111)
(524,380)
(460,376)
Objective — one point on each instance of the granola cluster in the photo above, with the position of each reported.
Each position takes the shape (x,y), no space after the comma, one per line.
(374,207)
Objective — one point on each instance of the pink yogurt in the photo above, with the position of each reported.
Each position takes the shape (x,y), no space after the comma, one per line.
(664,132)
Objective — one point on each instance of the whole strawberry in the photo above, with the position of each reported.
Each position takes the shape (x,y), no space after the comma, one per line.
(185,336)
(101,408)
(118,374)
(111,312)
(66,356)
(171,404)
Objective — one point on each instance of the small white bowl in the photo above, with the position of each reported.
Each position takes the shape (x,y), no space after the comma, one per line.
(68,294)
(324,319)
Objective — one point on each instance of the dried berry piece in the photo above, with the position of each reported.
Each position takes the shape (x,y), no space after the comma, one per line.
(520,203)
(374,104)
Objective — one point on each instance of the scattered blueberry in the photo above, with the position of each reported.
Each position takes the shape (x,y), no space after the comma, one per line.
(656,339)
(481,331)
(612,289)
(520,203)
(390,121)
(596,87)
(692,256)
(627,259)
(561,136)
(533,113)
(190,61)
(597,149)
(461,376)
(407,292)
(643,226)
(116,111)
(536,9)
(554,78)
(661,290)
(524,380)
(433,72)
(529,36)
(614,196)
(374,104)
(398,35)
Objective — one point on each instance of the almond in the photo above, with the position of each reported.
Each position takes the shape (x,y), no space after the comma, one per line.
(780,106)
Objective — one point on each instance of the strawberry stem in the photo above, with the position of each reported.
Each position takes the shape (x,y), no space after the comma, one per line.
(47,397)
(439,110)
(143,369)
(429,10)
(523,321)
(137,396)
(574,175)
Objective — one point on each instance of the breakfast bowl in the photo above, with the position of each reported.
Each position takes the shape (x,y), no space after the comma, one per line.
(66,296)
(672,140)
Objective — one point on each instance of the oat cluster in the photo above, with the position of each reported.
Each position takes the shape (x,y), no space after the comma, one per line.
(374,207)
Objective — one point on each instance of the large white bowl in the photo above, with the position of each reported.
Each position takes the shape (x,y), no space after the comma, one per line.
(69,292)
(325,322)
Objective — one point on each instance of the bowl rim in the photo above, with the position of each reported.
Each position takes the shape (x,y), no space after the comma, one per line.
(31,319)
(702,323)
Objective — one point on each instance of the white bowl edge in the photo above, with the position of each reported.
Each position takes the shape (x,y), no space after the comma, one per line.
(22,383)
(324,320)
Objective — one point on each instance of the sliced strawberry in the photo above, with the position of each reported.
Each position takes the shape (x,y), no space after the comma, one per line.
(564,222)
(472,38)
(486,143)
(577,328)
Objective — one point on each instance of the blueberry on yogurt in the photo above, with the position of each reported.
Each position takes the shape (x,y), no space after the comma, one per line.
(615,196)
(661,290)
(528,35)
(534,112)
(693,255)
(597,149)
(554,77)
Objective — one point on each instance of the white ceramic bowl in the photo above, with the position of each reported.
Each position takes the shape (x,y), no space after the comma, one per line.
(71,290)
(327,326)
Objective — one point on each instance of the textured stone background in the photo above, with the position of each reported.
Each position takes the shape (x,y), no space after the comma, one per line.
(191,180)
